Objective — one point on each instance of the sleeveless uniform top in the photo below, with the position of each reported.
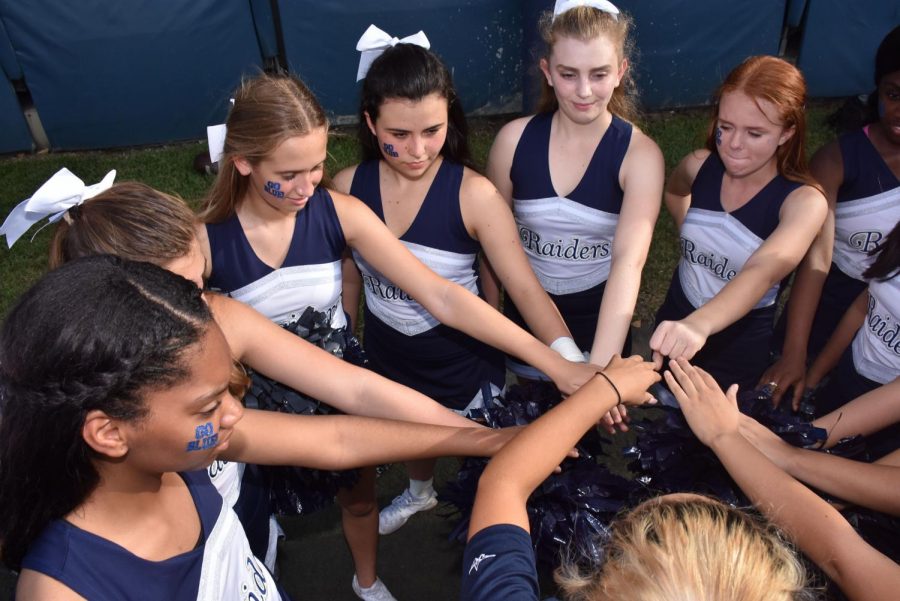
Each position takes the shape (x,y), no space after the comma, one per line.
(868,204)
(876,347)
(437,237)
(220,568)
(404,342)
(568,240)
(309,276)
(716,244)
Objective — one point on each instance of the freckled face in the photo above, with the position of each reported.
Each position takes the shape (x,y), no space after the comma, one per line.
(749,132)
(286,179)
(583,75)
(191,422)
(411,133)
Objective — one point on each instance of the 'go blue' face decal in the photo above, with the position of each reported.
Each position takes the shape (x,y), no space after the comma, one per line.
(718,136)
(274,189)
(204,438)
(389,150)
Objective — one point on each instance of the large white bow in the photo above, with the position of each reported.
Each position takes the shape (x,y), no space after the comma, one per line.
(58,194)
(562,6)
(374,42)
(215,136)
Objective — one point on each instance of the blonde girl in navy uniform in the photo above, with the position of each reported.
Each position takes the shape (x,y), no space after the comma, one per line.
(860,174)
(748,210)
(117,391)
(274,238)
(583,181)
(417,176)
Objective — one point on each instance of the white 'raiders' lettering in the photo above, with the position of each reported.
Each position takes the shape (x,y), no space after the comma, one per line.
(717,265)
(230,571)
(859,226)
(876,347)
(395,307)
(714,248)
(568,244)
(275,295)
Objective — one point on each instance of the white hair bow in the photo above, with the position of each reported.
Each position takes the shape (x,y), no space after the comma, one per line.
(562,6)
(58,194)
(374,42)
(215,136)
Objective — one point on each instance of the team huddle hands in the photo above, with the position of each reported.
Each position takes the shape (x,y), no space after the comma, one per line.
(137,385)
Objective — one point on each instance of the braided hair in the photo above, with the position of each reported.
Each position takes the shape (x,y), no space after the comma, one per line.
(94,334)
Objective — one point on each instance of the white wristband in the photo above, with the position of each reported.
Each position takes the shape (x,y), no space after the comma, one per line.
(566,347)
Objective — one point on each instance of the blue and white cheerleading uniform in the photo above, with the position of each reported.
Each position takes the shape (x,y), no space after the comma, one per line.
(499,565)
(221,567)
(873,358)
(568,240)
(403,341)
(309,276)
(868,207)
(715,246)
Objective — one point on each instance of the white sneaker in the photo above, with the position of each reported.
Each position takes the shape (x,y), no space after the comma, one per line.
(376,592)
(402,508)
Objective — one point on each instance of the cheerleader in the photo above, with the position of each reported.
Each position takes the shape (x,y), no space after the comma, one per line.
(748,210)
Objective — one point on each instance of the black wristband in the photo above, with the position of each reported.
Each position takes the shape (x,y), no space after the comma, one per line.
(616,390)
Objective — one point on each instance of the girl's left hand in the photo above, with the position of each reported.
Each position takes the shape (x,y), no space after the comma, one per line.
(676,339)
(709,412)
(616,418)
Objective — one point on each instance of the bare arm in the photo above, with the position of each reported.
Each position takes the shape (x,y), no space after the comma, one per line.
(514,473)
(840,339)
(641,177)
(351,291)
(490,221)
(861,572)
(284,357)
(677,196)
(37,585)
(802,215)
(790,370)
(866,414)
(450,303)
(872,485)
(346,441)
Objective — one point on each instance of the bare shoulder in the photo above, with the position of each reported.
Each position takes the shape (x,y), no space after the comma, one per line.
(475,185)
(806,204)
(344,179)
(35,585)
(806,196)
(203,239)
(512,131)
(828,156)
(642,147)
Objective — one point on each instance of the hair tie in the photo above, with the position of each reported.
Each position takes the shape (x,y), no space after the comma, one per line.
(374,42)
(616,390)
(562,6)
(58,194)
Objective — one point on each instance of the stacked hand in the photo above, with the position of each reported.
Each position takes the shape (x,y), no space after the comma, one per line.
(631,378)
(676,339)
(789,370)
(709,412)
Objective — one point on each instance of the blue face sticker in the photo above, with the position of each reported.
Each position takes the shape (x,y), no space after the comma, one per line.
(389,150)
(204,438)
(718,136)
(274,189)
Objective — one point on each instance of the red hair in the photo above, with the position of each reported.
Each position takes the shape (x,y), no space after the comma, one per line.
(780,83)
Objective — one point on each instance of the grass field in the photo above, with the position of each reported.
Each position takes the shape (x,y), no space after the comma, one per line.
(170,168)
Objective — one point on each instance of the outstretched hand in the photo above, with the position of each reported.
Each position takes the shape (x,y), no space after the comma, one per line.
(709,412)
(676,339)
(571,376)
(786,372)
(632,377)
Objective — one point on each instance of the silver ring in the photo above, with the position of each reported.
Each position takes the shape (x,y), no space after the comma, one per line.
(772,384)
